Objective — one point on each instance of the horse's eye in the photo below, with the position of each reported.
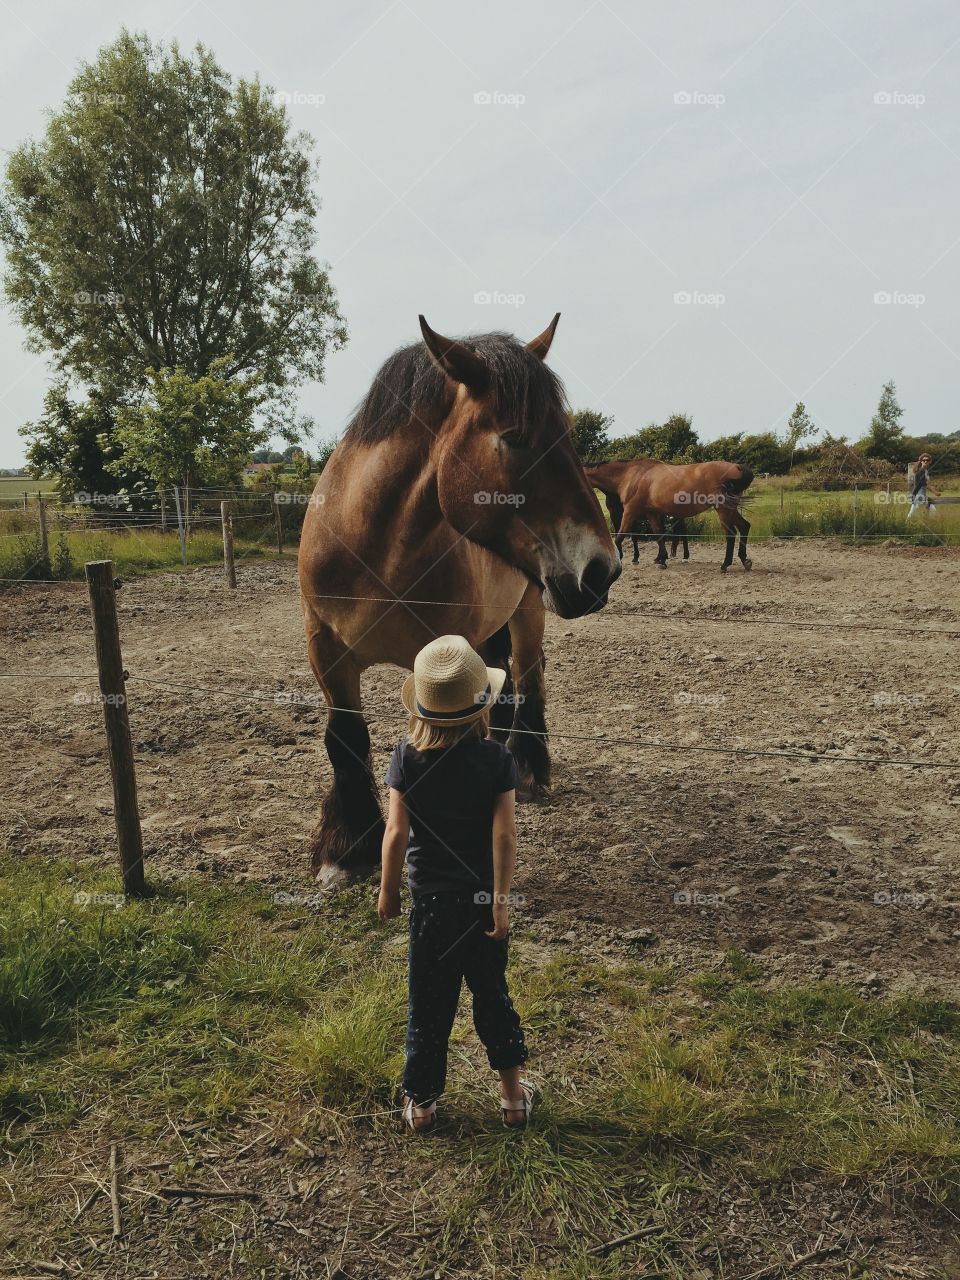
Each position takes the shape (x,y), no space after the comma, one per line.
(512,438)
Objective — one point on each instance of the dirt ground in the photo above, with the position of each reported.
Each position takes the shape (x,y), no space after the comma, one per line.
(820,867)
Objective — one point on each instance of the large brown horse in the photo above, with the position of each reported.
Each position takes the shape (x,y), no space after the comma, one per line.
(440,513)
(645,489)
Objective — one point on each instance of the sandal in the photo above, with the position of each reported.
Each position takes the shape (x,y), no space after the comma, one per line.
(419,1118)
(523,1108)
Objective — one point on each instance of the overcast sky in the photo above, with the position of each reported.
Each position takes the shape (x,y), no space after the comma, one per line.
(778,164)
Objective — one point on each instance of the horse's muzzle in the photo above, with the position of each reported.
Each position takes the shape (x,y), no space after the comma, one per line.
(570,597)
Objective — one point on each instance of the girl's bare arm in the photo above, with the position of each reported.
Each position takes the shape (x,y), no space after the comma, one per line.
(504,860)
(395,836)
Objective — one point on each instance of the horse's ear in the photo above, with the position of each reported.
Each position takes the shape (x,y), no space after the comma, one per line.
(455,359)
(541,345)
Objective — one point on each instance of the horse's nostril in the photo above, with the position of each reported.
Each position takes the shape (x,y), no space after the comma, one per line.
(598,576)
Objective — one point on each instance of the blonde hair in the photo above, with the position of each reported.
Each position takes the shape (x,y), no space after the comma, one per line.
(431,737)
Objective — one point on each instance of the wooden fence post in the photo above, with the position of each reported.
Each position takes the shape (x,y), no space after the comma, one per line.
(44,536)
(163,511)
(26,500)
(183,540)
(229,568)
(113,694)
(781,497)
(856,495)
(278,521)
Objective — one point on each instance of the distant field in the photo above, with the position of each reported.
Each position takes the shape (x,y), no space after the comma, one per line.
(14,486)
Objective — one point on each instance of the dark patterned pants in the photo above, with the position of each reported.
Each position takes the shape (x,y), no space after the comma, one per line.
(447,946)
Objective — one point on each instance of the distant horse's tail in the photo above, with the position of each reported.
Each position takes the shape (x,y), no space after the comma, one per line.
(734,487)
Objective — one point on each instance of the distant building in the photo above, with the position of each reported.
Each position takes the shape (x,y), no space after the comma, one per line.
(255,468)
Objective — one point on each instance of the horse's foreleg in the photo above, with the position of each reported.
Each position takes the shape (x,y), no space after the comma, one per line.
(726,516)
(743,525)
(680,535)
(528,741)
(656,524)
(496,652)
(629,524)
(346,843)
(615,508)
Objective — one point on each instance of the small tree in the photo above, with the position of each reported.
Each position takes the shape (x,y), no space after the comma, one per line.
(800,427)
(188,430)
(885,437)
(72,441)
(589,429)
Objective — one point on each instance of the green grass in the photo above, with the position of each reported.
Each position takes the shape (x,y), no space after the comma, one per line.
(13,487)
(216,1005)
(146,551)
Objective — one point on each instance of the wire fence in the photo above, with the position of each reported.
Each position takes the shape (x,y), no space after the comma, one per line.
(383,711)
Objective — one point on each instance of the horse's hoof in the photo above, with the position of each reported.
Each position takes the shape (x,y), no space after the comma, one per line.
(661,564)
(748,563)
(724,568)
(529,791)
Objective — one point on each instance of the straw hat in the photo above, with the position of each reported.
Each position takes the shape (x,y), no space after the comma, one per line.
(450,683)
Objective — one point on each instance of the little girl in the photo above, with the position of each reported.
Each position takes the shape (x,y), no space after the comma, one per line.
(452,796)
(918,491)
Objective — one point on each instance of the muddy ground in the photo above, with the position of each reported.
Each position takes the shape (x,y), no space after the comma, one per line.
(819,867)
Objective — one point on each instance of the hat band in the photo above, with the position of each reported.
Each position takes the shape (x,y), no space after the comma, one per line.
(480,701)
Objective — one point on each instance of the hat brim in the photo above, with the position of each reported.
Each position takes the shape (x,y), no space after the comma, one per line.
(496,676)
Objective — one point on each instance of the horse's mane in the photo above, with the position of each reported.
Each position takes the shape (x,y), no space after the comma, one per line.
(410,385)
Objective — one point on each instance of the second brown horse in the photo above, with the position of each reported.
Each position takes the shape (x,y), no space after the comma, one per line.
(646,489)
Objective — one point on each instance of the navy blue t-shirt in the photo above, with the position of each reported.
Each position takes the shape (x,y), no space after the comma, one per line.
(450,794)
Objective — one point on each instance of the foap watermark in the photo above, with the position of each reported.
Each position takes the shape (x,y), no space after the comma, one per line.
(483,898)
(496,298)
(690,699)
(86,499)
(502,700)
(104,99)
(84,898)
(697,298)
(84,699)
(897,897)
(897,298)
(497,98)
(298,98)
(494,498)
(284,898)
(892,698)
(694,498)
(694,898)
(897,98)
(898,497)
(294,698)
(697,98)
(284,498)
(91,298)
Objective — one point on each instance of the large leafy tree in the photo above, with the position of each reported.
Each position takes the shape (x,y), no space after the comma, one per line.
(166,220)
